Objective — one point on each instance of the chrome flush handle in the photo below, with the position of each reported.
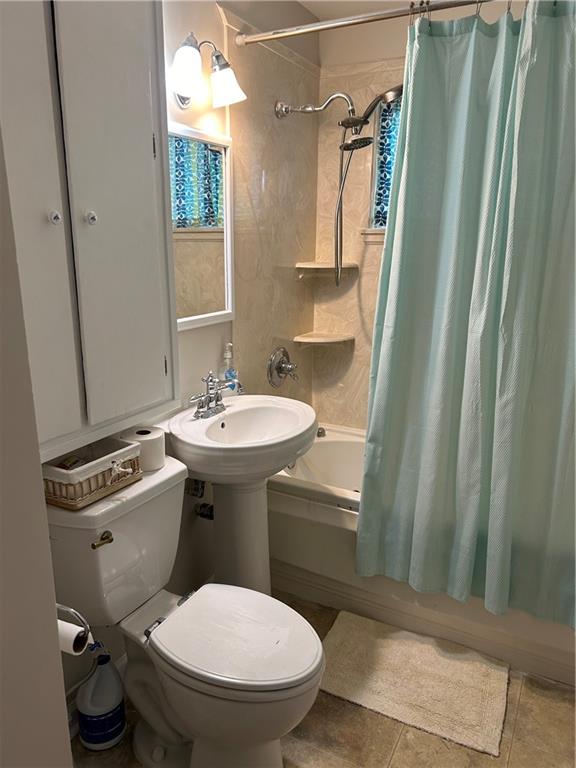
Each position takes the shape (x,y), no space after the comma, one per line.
(106,537)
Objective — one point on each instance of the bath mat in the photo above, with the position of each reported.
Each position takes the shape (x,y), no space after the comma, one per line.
(435,685)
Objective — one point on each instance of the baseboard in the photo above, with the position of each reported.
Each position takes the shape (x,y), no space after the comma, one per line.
(527,657)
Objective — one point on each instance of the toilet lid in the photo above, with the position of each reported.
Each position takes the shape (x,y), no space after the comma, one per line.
(238,638)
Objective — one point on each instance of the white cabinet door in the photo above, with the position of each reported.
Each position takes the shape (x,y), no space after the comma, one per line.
(112,110)
(30,119)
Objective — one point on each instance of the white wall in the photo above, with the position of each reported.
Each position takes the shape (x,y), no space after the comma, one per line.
(386,39)
(265,15)
(33,730)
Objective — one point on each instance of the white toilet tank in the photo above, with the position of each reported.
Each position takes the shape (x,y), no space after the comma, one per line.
(112,556)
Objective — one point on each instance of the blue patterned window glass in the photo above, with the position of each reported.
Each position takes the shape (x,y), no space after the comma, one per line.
(385,154)
(196,183)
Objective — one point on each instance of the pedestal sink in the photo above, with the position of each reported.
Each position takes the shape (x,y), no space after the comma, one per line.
(237,451)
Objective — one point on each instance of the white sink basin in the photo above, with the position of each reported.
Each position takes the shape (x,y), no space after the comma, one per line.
(255,437)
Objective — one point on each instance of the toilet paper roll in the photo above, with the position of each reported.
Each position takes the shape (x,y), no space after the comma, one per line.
(152,447)
(72,638)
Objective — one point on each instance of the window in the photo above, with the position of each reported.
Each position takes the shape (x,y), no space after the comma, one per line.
(196,181)
(385,143)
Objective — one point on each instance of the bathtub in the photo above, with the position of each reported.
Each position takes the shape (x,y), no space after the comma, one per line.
(324,484)
(313,515)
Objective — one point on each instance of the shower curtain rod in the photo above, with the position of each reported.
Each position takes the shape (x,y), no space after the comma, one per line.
(352,21)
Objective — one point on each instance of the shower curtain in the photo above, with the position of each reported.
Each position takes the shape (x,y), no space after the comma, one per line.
(469,472)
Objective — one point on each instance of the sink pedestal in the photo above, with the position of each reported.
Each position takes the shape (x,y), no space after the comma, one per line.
(241,535)
(236,450)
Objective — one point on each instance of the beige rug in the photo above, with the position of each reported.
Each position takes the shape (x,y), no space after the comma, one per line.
(435,685)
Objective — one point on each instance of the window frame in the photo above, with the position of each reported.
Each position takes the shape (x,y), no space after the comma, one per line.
(227,314)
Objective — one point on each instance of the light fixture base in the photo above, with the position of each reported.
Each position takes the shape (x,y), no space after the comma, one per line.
(182,101)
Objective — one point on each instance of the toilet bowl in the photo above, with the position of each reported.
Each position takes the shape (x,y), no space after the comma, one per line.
(218,677)
(237,670)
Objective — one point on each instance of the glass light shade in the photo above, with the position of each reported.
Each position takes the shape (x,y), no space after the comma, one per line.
(186,71)
(225,88)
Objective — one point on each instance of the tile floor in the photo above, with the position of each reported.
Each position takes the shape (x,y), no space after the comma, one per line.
(538,730)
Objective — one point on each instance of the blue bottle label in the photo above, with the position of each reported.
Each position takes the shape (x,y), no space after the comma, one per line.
(230,373)
(99,729)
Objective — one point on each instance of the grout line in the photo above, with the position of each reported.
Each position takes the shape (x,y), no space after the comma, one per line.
(402,729)
(515,720)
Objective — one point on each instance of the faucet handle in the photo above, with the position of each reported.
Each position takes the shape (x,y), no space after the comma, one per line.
(211,382)
(288,369)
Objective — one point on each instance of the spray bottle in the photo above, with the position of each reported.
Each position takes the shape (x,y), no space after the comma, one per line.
(228,369)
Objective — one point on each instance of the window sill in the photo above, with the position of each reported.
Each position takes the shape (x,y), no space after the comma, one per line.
(373,236)
(199,234)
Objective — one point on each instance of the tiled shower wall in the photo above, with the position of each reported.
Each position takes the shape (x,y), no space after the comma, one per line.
(340,371)
(275,169)
(285,186)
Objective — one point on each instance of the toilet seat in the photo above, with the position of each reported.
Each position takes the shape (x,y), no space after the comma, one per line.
(239,640)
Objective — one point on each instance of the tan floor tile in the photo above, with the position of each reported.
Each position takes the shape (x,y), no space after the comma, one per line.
(120,756)
(299,754)
(546,718)
(523,755)
(319,616)
(348,732)
(417,748)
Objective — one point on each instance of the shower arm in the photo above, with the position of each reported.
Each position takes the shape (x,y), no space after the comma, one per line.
(283,110)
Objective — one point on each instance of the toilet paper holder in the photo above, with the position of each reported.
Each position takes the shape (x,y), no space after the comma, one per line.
(75,615)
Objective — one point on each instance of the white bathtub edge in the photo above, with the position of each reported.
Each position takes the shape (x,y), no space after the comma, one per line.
(329,512)
(522,654)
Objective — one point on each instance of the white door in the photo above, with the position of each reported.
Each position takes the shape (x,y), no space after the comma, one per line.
(107,60)
(37,187)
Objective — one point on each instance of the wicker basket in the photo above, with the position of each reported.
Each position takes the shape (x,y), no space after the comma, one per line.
(97,470)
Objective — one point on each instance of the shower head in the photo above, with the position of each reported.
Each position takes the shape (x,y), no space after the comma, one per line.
(358,142)
(353,121)
(357,122)
(386,98)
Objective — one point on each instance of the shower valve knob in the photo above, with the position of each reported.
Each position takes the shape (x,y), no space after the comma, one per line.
(279,367)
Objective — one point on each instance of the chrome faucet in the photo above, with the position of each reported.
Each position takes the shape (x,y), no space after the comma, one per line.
(209,403)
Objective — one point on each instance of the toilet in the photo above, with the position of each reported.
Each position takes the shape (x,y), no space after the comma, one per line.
(218,676)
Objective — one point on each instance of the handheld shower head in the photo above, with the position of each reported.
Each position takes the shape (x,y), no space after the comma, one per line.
(357,142)
(354,122)
(357,122)
(387,97)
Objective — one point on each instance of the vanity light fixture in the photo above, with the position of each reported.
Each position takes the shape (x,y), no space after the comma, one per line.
(186,70)
(186,75)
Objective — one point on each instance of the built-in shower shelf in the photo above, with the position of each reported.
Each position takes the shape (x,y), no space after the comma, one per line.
(317,268)
(317,337)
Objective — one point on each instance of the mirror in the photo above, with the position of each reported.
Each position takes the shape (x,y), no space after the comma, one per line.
(200,193)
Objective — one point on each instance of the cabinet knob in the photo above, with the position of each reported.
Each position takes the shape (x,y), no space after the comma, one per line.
(55,217)
(91,217)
